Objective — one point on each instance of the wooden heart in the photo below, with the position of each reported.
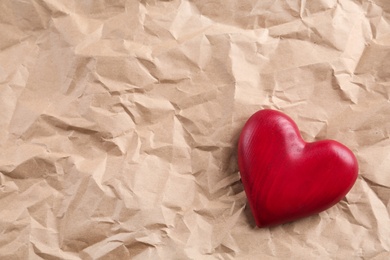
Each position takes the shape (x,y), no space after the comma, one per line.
(286,178)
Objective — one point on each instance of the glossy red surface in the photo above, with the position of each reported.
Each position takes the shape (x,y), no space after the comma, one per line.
(286,178)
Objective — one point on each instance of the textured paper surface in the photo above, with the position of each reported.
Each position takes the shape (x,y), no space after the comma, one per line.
(119,123)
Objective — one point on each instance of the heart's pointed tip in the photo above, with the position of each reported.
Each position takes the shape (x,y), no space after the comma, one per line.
(270,224)
(263,225)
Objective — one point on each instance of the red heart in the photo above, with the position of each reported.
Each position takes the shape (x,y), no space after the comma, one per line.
(286,178)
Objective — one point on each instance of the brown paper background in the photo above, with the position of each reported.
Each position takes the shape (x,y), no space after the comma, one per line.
(119,122)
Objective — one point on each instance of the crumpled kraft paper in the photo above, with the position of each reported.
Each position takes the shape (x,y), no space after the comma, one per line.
(119,123)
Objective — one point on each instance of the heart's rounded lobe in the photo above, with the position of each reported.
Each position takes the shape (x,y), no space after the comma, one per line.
(286,178)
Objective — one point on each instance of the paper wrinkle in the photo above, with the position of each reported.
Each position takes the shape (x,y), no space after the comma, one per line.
(119,122)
